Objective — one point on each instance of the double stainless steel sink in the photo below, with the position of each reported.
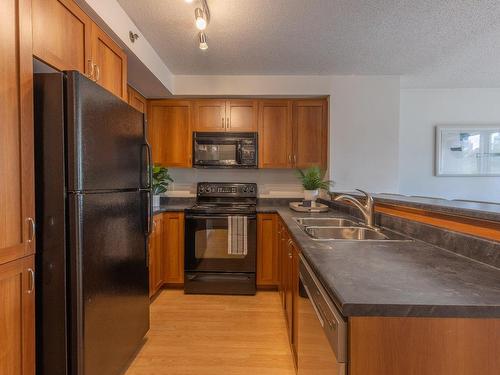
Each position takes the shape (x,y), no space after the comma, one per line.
(342,229)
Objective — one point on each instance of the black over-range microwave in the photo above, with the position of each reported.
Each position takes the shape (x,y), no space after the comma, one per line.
(224,150)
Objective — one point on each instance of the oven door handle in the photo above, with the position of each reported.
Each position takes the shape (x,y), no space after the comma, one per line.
(215,216)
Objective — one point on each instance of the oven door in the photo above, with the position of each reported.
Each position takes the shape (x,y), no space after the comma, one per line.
(206,245)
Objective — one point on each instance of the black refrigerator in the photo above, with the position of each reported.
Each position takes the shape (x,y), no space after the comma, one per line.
(93,203)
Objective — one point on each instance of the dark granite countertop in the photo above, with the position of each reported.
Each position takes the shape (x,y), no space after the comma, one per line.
(173,205)
(391,278)
(397,278)
(478,210)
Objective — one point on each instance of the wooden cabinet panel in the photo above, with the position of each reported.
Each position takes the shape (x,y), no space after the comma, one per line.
(17,317)
(169,132)
(156,245)
(210,115)
(310,133)
(136,100)
(61,34)
(110,63)
(267,249)
(295,300)
(16,132)
(241,115)
(275,134)
(288,264)
(174,248)
(437,346)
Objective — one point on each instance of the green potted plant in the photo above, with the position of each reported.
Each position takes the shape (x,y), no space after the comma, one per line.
(161,179)
(312,180)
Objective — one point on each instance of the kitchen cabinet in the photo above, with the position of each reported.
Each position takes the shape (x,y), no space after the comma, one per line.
(216,115)
(67,39)
(310,129)
(136,100)
(156,245)
(267,250)
(17,316)
(110,63)
(295,300)
(173,266)
(281,250)
(62,35)
(275,134)
(169,132)
(17,208)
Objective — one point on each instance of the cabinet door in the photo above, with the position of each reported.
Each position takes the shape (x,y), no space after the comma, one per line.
(295,299)
(241,115)
(174,248)
(310,133)
(169,132)
(17,209)
(210,115)
(155,256)
(110,63)
(289,287)
(17,317)
(267,249)
(136,100)
(275,134)
(61,34)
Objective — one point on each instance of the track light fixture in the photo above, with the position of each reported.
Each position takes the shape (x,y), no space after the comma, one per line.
(199,16)
(203,40)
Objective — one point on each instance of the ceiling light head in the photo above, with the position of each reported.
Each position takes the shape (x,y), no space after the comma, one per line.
(199,16)
(188,1)
(203,40)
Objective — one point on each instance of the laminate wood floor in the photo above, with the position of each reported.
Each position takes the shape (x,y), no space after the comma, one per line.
(208,335)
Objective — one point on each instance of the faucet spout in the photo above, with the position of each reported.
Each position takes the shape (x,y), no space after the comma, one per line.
(366,209)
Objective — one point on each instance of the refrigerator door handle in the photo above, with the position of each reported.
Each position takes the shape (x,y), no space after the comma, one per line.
(149,213)
(149,167)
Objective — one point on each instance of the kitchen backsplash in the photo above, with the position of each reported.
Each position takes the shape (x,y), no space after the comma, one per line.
(271,182)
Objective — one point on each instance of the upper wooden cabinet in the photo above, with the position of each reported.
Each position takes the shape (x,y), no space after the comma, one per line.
(267,250)
(62,35)
(169,132)
(17,313)
(136,100)
(215,115)
(310,133)
(67,39)
(241,115)
(275,134)
(17,208)
(110,63)
(210,115)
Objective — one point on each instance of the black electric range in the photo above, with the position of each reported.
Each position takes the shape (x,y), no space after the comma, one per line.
(221,239)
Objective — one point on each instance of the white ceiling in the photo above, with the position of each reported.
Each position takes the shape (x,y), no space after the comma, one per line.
(444,43)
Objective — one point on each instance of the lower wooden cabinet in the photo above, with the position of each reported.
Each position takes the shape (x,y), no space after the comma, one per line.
(173,265)
(17,317)
(156,255)
(267,250)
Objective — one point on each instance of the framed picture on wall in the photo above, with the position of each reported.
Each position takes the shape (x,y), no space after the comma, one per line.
(463,150)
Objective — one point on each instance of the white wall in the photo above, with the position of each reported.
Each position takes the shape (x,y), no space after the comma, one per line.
(421,110)
(364,120)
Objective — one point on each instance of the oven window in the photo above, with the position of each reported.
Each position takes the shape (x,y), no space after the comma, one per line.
(214,152)
(212,243)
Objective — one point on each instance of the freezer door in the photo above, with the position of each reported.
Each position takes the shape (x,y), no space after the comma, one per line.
(109,281)
(106,139)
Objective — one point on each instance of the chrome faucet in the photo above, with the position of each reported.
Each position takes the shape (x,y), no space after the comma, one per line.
(366,209)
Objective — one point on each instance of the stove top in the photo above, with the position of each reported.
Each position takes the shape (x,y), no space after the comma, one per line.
(225,197)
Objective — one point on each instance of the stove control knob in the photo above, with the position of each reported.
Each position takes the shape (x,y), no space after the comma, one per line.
(245,189)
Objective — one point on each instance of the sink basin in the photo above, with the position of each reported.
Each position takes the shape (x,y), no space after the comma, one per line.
(352,234)
(324,222)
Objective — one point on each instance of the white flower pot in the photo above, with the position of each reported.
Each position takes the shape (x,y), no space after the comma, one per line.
(311,195)
(156,201)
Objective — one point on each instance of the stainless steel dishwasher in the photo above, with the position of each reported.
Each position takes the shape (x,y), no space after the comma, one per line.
(322,331)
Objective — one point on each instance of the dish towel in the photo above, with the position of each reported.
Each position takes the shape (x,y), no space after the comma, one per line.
(237,240)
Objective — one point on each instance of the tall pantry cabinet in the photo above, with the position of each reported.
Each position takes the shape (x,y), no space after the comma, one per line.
(17,210)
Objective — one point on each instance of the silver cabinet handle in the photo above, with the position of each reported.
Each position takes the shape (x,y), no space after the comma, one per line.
(228,125)
(97,72)
(31,285)
(91,69)
(32,227)
(223,123)
(295,158)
